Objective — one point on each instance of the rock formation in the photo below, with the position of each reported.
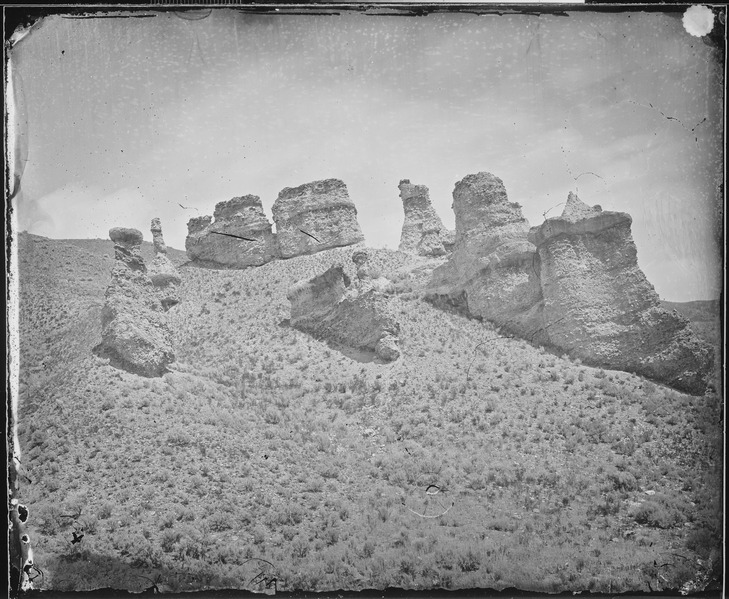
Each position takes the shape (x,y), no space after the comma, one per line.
(423,232)
(599,306)
(134,333)
(238,236)
(491,272)
(330,307)
(314,217)
(163,273)
(573,283)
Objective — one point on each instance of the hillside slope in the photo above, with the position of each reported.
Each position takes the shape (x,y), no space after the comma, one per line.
(475,460)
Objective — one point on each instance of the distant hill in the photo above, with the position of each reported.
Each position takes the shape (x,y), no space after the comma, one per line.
(474,460)
(700,310)
(705,317)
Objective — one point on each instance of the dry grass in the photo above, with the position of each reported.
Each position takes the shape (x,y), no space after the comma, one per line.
(267,454)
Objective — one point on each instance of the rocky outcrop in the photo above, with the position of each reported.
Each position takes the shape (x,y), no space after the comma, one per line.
(313,300)
(599,306)
(309,218)
(423,232)
(572,283)
(492,272)
(162,272)
(237,236)
(135,334)
(330,307)
(315,217)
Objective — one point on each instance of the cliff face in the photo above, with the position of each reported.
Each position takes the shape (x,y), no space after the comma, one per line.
(309,218)
(493,265)
(238,236)
(423,232)
(599,305)
(329,307)
(315,217)
(573,283)
(135,334)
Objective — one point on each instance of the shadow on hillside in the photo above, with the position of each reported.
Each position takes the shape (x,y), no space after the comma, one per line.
(357,355)
(100,351)
(204,265)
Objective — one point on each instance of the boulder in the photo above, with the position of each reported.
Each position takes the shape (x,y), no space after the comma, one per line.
(124,237)
(162,272)
(237,236)
(134,330)
(315,217)
(329,307)
(387,348)
(492,271)
(599,306)
(423,232)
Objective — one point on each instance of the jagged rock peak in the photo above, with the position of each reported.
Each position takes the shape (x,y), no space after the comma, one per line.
(578,218)
(315,216)
(423,232)
(239,235)
(575,209)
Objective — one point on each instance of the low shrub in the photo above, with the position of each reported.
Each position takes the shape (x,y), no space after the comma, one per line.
(657,514)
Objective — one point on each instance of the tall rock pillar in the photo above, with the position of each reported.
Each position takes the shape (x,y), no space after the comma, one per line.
(162,272)
(423,232)
(135,335)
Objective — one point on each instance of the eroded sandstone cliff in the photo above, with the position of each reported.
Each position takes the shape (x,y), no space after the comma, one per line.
(315,217)
(238,235)
(573,283)
(135,334)
(599,306)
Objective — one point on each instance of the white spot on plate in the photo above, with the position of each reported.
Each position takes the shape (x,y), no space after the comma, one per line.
(698,20)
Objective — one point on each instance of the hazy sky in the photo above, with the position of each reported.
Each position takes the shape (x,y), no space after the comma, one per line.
(124,119)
